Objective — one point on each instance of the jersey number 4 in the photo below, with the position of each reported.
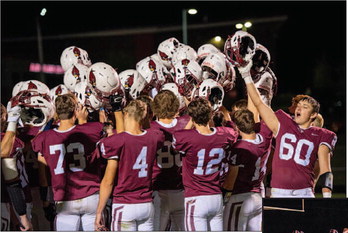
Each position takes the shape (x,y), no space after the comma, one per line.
(292,152)
(80,157)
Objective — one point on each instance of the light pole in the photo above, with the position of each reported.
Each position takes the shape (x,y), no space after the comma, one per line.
(244,26)
(184,22)
(39,44)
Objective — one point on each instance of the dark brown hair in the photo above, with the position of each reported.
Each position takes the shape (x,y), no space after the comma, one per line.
(65,106)
(165,104)
(240,104)
(200,110)
(244,120)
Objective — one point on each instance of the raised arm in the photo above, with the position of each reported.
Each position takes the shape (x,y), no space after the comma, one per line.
(116,103)
(266,112)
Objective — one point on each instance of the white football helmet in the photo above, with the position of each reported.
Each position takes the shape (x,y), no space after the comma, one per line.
(103,78)
(61,89)
(153,73)
(132,82)
(204,50)
(74,55)
(184,53)
(214,67)
(261,59)
(75,74)
(174,88)
(187,76)
(87,97)
(30,85)
(240,48)
(166,49)
(37,108)
(266,83)
(213,91)
(17,88)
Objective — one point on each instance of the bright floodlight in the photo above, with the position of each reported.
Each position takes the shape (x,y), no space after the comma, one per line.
(192,11)
(43,12)
(239,26)
(217,38)
(248,24)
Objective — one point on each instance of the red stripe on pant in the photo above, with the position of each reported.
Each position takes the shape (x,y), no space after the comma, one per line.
(117,219)
(229,224)
(189,219)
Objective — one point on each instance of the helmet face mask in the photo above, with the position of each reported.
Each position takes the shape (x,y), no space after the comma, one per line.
(261,59)
(37,108)
(212,91)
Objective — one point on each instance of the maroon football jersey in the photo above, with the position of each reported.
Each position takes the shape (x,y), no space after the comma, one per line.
(136,155)
(202,158)
(26,134)
(16,152)
(251,156)
(72,160)
(296,152)
(167,170)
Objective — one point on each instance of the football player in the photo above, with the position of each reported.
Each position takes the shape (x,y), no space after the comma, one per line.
(202,150)
(167,171)
(298,145)
(13,175)
(69,152)
(247,159)
(131,155)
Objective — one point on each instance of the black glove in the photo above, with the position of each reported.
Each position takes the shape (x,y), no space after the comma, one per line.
(50,212)
(226,194)
(116,102)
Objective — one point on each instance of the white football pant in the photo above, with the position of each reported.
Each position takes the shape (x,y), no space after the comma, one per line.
(204,213)
(243,212)
(73,214)
(169,210)
(132,217)
(292,193)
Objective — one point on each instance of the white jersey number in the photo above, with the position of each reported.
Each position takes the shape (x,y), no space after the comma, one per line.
(210,166)
(140,163)
(294,153)
(70,149)
(165,158)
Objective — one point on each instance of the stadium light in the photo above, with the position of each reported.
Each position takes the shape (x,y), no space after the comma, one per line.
(43,12)
(217,38)
(184,22)
(244,26)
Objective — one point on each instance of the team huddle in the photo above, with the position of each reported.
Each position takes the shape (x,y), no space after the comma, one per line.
(154,149)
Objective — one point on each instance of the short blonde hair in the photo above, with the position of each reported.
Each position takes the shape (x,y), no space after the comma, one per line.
(136,109)
(318,121)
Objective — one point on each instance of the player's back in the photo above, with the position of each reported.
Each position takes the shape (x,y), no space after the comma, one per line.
(167,170)
(136,155)
(202,156)
(251,156)
(296,153)
(72,159)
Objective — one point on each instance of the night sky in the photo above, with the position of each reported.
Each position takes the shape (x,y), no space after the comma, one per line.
(308,49)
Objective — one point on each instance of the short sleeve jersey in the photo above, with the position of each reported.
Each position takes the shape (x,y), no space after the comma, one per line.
(72,159)
(167,170)
(296,152)
(202,158)
(136,156)
(251,157)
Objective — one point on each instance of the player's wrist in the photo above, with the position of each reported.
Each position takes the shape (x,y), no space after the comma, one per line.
(12,126)
(247,79)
